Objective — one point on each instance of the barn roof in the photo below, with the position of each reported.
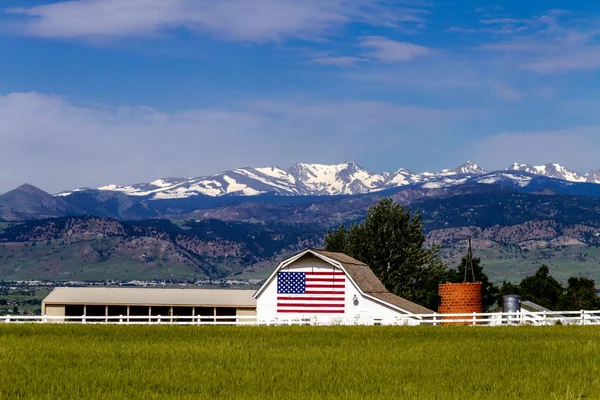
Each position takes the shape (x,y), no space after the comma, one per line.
(360,272)
(151,296)
(365,279)
(402,303)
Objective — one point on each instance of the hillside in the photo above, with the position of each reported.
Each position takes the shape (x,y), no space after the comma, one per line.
(92,248)
(514,232)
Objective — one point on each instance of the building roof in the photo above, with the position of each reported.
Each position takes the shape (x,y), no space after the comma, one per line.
(531,306)
(402,303)
(151,296)
(341,257)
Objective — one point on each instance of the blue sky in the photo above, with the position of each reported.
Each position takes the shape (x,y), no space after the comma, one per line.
(120,91)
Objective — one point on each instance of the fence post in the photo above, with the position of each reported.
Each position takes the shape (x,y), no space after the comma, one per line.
(120,318)
(434,319)
(545,316)
(7,318)
(474,318)
(582,317)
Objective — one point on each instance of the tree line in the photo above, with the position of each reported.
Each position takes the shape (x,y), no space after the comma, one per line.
(391,241)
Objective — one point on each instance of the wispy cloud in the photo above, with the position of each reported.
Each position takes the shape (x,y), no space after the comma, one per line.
(554,42)
(574,147)
(237,20)
(341,61)
(495,21)
(59,145)
(387,50)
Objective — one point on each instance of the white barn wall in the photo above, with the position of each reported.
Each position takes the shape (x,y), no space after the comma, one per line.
(367,310)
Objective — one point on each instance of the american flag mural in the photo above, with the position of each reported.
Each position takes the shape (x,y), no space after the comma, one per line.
(311,292)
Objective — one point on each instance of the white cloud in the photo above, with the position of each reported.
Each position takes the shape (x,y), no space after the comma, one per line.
(388,50)
(495,21)
(341,61)
(238,20)
(563,59)
(554,42)
(54,144)
(574,147)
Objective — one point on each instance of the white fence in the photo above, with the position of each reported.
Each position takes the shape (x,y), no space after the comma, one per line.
(477,319)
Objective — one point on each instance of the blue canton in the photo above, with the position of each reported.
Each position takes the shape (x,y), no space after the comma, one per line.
(291,283)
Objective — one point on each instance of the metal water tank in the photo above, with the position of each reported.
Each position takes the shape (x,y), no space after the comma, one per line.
(511,303)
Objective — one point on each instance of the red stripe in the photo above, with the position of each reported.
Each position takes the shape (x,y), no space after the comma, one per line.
(326,273)
(324,292)
(325,286)
(311,311)
(308,305)
(312,298)
(325,280)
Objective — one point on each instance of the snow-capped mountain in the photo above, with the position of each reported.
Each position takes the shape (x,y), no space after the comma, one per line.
(300,179)
(593,177)
(557,171)
(348,178)
(469,168)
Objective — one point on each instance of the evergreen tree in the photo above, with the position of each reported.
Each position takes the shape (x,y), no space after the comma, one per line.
(391,241)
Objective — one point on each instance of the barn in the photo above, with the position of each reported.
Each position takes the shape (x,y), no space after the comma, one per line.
(318,286)
(131,302)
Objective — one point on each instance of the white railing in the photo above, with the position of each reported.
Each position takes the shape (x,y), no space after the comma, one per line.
(544,318)
(133,319)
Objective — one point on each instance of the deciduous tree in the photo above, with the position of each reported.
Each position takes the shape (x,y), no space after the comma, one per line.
(391,241)
(580,294)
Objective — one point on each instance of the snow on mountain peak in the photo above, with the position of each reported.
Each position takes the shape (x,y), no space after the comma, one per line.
(470,167)
(551,170)
(345,178)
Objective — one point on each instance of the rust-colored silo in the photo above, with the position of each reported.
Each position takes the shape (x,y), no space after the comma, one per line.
(460,298)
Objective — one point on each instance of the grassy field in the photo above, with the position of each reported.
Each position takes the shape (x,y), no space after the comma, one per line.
(135,362)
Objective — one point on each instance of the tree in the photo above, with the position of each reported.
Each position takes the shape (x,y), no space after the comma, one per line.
(488,289)
(390,240)
(580,294)
(541,288)
(508,288)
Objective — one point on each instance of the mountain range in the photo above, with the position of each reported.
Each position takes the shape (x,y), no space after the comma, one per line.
(176,229)
(299,184)
(305,179)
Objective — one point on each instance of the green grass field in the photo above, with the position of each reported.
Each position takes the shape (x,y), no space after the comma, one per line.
(187,362)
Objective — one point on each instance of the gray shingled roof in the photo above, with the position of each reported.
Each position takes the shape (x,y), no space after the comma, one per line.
(531,306)
(368,282)
(151,296)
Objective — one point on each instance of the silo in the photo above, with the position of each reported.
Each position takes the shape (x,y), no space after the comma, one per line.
(511,303)
(460,298)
